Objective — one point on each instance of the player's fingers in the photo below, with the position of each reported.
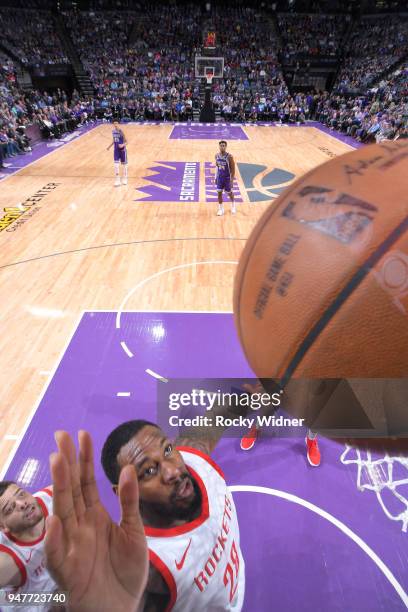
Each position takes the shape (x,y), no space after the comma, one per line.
(54,546)
(63,504)
(131,521)
(86,470)
(67,448)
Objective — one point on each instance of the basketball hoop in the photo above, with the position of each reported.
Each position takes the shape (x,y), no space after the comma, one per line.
(208,68)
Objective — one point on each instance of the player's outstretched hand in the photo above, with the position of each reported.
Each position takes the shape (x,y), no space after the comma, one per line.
(101,565)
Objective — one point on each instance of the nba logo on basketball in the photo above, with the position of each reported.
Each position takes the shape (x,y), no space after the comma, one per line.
(393,277)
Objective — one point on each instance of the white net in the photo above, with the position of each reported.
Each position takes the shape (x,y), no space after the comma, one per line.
(204,64)
(385,476)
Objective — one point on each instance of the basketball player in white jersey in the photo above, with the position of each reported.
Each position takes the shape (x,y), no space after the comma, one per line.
(22,532)
(189,517)
(179,501)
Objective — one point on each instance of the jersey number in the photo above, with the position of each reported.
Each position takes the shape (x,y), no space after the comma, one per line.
(232,571)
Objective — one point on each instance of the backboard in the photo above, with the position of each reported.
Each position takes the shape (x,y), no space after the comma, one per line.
(205,66)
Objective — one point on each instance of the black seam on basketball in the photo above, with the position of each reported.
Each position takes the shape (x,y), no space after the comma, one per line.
(341,298)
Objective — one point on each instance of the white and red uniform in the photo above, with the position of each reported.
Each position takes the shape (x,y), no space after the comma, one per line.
(201,561)
(30,558)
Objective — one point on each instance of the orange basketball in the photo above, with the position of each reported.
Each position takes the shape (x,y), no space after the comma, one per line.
(321,288)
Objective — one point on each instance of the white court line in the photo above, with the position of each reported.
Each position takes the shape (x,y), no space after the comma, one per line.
(147,310)
(336,138)
(160,273)
(123,394)
(334,521)
(34,410)
(126,349)
(155,375)
(44,372)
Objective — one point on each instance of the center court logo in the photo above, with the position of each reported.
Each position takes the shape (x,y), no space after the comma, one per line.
(175,181)
(265,187)
(172,182)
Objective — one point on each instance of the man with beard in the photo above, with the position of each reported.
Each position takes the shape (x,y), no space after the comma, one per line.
(189,518)
(22,531)
(173,495)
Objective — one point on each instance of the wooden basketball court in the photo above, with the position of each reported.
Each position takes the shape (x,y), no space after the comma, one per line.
(82,244)
(107,289)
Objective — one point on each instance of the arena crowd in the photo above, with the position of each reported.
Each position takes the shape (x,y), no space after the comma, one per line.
(141,67)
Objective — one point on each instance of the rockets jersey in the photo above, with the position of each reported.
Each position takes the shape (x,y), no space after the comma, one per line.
(222,163)
(30,558)
(118,139)
(201,561)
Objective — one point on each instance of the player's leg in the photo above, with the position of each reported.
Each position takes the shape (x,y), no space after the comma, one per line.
(220,183)
(250,437)
(116,163)
(117,174)
(125,174)
(231,197)
(220,210)
(313,452)
(124,167)
(228,190)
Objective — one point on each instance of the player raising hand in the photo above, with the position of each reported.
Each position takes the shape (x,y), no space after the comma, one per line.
(103,566)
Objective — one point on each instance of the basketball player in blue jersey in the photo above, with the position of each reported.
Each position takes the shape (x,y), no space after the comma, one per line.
(224,178)
(119,143)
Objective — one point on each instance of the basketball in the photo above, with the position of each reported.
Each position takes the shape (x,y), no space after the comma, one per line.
(321,288)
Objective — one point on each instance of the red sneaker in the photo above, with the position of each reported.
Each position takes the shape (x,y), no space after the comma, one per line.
(248,441)
(313,453)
